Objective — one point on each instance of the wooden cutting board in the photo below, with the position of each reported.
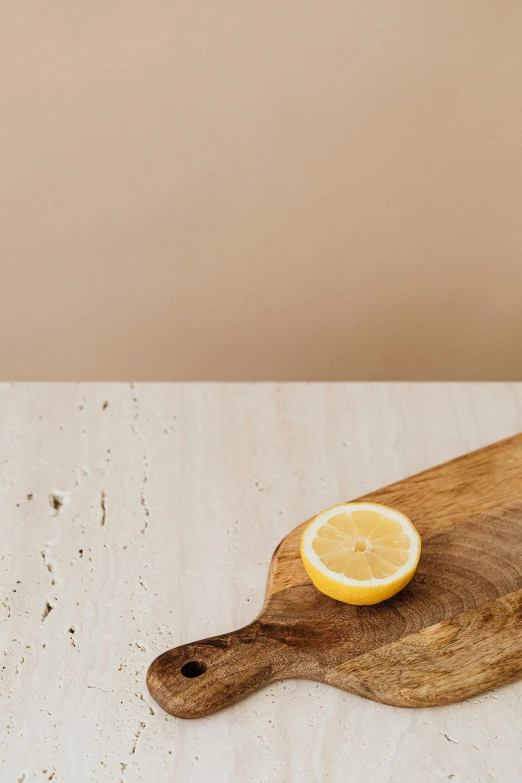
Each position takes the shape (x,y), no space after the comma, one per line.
(455,631)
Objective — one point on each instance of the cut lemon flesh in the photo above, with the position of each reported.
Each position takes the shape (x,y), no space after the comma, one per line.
(360,553)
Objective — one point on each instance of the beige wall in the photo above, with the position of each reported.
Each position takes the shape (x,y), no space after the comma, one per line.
(253,190)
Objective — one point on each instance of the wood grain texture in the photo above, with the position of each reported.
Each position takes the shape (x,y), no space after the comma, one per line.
(463,487)
(435,666)
(460,619)
(200,482)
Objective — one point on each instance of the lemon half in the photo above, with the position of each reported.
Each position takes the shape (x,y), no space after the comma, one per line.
(360,553)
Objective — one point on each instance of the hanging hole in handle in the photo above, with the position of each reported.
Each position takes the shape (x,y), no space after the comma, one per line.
(193,669)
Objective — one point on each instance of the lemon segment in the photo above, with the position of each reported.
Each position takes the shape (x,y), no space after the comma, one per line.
(360,553)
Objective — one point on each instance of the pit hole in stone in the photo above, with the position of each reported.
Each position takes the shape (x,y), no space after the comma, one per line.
(194,669)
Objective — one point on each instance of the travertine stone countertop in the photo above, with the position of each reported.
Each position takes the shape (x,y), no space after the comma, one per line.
(136,517)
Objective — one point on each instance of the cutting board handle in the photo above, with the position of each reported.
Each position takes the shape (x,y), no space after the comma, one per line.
(197,679)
